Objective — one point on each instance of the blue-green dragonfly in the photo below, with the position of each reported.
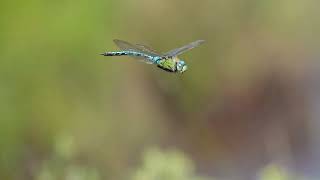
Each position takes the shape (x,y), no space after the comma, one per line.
(167,61)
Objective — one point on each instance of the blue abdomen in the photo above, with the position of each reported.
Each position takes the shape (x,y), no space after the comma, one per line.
(153,59)
(127,53)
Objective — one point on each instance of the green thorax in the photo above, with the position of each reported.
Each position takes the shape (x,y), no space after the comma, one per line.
(168,64)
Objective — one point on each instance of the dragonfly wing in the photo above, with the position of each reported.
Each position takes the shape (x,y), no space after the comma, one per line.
(126,46)
(149,50)
(123,45)
(146,61)
(135,47)
(178,51)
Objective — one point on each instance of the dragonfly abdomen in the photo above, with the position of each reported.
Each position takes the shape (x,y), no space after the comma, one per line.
(127,53)
(120,53)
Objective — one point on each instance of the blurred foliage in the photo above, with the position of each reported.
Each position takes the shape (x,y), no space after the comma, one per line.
(175,165)
(169,165)
(274,172)
(156,165)
(61,165)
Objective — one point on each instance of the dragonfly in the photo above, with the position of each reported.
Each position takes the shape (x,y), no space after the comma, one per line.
(168,61)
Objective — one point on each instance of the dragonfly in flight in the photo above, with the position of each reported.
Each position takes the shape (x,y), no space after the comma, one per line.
(167,61)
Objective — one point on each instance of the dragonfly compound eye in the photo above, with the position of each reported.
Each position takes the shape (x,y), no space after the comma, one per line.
(181,66)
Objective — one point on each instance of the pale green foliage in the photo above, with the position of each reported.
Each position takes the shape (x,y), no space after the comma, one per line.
(60,165)
(156,164)
(175,165)
(167,165)
(64,146)
(72,172)
(274,172)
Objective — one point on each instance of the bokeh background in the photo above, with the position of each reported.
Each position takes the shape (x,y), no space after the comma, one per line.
(247,108)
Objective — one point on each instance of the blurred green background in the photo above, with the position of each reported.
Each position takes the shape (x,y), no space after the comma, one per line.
(245,109)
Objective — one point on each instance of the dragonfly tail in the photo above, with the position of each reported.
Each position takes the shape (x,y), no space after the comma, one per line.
(127,53)
(114,54)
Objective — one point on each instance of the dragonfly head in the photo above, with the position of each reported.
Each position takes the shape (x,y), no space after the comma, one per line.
(181,66)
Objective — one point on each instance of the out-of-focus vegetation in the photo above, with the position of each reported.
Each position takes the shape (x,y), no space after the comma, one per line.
(245,109)
(171,165)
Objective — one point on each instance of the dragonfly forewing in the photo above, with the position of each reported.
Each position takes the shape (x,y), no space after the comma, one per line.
(183,49)
(124,45)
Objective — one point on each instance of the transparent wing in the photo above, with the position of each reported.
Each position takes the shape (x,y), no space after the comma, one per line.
(149,49)
(138,47)
(145,61)
(178,51)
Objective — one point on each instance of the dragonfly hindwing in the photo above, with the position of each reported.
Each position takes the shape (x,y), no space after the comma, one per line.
(138,47)
(148,49)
